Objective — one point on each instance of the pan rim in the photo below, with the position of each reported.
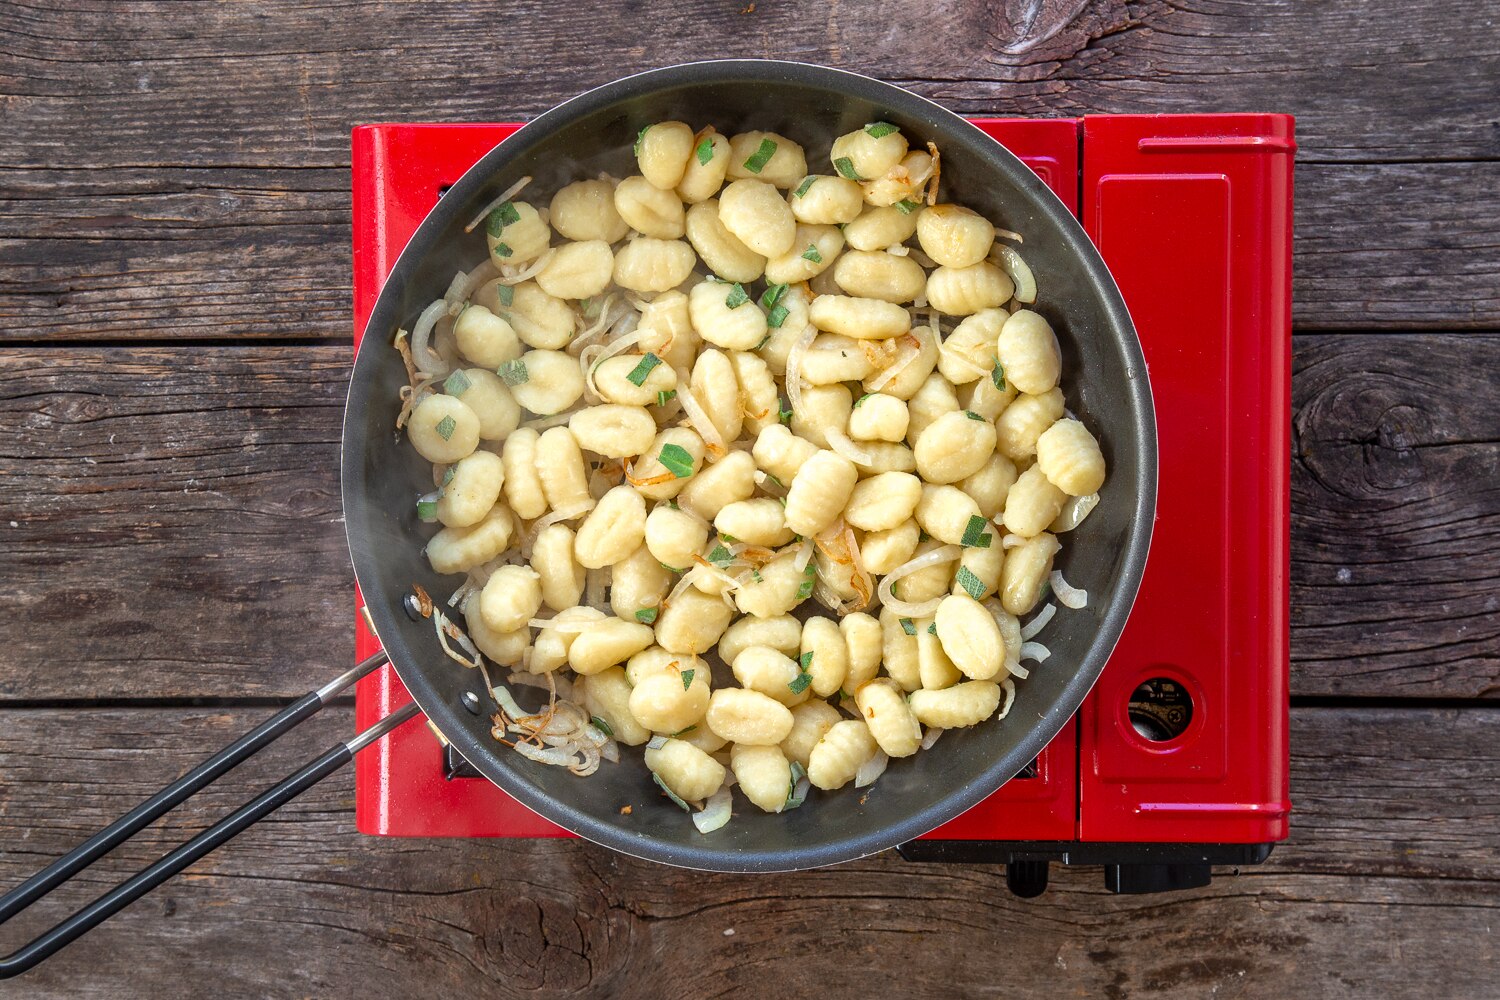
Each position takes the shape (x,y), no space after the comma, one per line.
(486,760)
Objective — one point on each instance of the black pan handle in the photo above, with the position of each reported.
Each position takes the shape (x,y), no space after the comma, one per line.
(122,829)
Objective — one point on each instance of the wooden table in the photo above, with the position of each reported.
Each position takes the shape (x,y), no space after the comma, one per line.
(175,296)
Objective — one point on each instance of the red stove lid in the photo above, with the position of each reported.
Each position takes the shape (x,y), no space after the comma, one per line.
(1193,215)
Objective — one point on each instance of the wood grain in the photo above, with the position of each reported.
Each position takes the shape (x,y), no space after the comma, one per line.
(1360,902)
(233,254)
(1396,516)
(280,83)
(170,502)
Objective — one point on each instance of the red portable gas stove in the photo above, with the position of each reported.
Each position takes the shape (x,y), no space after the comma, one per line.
(1178,759)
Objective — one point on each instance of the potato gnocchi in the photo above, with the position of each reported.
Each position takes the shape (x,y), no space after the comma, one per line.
(669,413)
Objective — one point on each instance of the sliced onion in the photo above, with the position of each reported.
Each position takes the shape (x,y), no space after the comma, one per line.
(804,555)
(713,441)
(1007,234)
(1009,687)
(556,756)
(898,250)
(1010,541)
(930,737)
(564,513)
(923,259)
(1020,274)
(517,273)
(529,680)
(609,350)
(769,483)
(945,349)
(910,351)
(463,284)
(941,554)
(507,702)
(1031,628)
(1016,670)
(657,742)
(871,769)
(794,367)
(591,758)
(1035,651)
(715,812)
(505,196)
(428,361)
(1074,510)
(597,326)
(841,443)
(1068,596)
(610,752)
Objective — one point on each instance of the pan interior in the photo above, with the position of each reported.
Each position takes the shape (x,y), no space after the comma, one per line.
(1104,378)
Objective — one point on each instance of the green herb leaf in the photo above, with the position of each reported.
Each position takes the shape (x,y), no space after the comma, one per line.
(665,396)
(669,569)
(906,206)
(908,626)
(973,416)
(684,732)
(806,589)
(705,150)
(737,296)
(879,130)
(776,317)
(501,217)
(761,156)
(457,383)
(784,414)
(590,307)
(792,800)
(448,474)
(427,510)
(512,372)
(975,535)
(727,538)
(845,166)
(639,138)
(800,683)
(676,460)
(501,250)
(971,583)
(763,342)
(932,628)
(719,555)
(923,536)
(506,294)
(647,616)
(772,295)
(602,726)
(687,678)
(638,374)
(755,575)
(862,399)
(805,660)
(806,184)
(811,253)
(663,785)
(445,428)
(997,376)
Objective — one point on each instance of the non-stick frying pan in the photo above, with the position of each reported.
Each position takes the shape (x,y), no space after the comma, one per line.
(1106,385)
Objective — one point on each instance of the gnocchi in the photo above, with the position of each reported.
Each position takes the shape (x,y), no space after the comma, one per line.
(669,410)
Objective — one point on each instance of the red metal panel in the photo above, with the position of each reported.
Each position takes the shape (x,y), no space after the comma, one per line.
(399,789)
(1193,217)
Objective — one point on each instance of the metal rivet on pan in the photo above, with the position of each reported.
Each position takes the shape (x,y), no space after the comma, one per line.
(471,701)
(413,607)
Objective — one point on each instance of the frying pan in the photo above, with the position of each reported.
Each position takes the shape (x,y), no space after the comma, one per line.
(1106,385)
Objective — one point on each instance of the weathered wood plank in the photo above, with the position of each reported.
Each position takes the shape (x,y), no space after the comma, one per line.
(176,509)
(1366,899)
(1396,516)
(171,521)
(139,254)
(281,82)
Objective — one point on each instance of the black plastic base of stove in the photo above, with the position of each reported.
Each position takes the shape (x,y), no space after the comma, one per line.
(1128,868)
